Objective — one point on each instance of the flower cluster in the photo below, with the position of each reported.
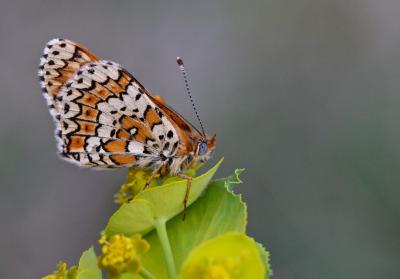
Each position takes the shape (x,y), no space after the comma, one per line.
(135,182)
(120,254)
(62,272)
(232,255)
(215,269)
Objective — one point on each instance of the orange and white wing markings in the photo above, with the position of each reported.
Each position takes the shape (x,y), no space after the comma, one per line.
(59,62)
(103,116)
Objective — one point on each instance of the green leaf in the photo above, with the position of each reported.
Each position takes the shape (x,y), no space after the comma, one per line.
(217,212)
(231,255)
(161,202)
(88,268)
(264,254)
(234,179)
(131,218)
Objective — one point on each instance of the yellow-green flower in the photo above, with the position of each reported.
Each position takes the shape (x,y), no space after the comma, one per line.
(62,272)
(137,179)
(120,254)
(229,256)
(135,182)
(215,268)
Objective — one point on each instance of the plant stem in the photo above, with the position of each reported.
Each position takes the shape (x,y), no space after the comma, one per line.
(161,229)
(146,274)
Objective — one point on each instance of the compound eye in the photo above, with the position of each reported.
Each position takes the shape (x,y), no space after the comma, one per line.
(202,148)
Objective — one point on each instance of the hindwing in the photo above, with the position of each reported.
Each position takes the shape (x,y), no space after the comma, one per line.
(59,62)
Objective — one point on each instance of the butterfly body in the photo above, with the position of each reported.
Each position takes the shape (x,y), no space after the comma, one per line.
(106,119)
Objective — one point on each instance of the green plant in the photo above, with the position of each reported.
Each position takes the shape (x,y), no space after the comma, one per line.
(147,238)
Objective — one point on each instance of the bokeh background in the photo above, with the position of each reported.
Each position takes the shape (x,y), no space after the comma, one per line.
(304,94)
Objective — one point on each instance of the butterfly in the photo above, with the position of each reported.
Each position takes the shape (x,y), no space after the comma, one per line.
(105,118)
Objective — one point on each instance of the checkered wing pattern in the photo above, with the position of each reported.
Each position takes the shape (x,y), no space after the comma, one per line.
(104,117)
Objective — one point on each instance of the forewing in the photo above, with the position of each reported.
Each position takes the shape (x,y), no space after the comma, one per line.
(187,133)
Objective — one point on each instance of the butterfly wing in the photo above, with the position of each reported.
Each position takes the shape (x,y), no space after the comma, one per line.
(60,60)
(105,119)
(187,133)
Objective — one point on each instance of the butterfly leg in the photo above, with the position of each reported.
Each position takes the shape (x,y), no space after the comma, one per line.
(152,176)
(188,188)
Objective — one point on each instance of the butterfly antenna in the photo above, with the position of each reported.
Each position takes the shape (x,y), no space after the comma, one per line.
(185,78)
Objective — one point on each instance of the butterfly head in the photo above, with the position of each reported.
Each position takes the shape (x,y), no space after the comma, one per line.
(205,146)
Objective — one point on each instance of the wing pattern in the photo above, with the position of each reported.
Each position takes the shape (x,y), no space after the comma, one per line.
(59,62)
(104,117)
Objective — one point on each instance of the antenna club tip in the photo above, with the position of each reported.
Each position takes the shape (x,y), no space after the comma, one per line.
(179,61)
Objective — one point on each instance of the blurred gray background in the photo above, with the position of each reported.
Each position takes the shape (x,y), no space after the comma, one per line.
(304,94)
